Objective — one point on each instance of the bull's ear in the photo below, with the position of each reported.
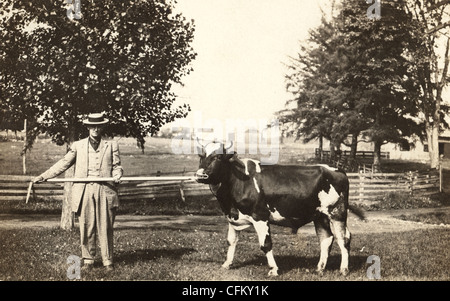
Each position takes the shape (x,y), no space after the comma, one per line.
(235,159)
(201,152)
(232,157)
(200,148)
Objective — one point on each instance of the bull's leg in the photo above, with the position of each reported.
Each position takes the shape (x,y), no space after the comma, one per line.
(323,231)
(343,237)
(232,238)
(265,241)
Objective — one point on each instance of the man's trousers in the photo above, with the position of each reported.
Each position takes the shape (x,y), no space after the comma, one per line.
(96,218)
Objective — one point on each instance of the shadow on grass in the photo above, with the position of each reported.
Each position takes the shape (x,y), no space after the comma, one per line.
(288,263)
(152,254)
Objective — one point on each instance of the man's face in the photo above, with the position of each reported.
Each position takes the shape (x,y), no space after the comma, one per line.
(95,131)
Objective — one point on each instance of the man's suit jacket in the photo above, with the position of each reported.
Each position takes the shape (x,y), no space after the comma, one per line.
(78,154)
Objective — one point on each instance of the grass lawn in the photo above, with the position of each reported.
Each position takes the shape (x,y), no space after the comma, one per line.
(197,254)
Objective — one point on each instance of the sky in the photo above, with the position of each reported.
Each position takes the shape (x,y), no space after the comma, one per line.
(242,48)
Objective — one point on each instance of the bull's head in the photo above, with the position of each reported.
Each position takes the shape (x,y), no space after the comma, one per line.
(213,159)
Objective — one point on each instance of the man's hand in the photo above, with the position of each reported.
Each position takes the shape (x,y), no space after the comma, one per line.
(117,179)
(38,179)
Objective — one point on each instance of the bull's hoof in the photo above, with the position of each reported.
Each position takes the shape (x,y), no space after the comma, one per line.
(320,272)
(344,271)
(226,265)
(273,272)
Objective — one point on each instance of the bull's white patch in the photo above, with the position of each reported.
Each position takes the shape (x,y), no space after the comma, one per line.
(256,185)
(325,244)
(327,199)
(276,216)
(212,147)
(262,230)
(328,167)
(244,221)
(257,163)
(200,172)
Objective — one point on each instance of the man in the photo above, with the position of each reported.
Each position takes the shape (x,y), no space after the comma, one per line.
(94,202)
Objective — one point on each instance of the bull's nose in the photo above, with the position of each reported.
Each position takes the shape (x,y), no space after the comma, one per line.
(200,174)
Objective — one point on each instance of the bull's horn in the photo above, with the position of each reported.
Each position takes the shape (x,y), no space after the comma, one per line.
(229,145)
(198,141)
(200,148)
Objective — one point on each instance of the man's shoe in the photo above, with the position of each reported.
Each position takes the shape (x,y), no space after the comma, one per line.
(87,267)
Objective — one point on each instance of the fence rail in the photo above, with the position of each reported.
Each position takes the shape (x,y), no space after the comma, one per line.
(14,188)
(346,153)
(370,186)
(363,187)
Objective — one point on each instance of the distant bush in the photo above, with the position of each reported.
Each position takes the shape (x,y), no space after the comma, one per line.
(436,218)
(398,200)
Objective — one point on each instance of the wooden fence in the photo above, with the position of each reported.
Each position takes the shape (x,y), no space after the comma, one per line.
(359,154)
(371,186)
(348,164)
(363,187)
(15,188)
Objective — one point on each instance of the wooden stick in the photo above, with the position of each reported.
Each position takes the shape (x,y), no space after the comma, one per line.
(30,186)
(77,180)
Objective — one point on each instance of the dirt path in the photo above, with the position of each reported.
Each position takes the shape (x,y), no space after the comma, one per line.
(376,221)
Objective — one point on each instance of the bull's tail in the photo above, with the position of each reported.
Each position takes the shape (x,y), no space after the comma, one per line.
(357,211)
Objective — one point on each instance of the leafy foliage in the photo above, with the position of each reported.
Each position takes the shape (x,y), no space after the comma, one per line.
(121,57)
(357,77)
(431,67)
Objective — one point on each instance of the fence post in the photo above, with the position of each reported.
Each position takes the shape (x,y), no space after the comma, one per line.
(183,198)
(361,187)
(440,177)
(411,183)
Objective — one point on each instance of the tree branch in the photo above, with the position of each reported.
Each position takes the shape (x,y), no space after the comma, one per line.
(439,27)
(439,4)
(445,70)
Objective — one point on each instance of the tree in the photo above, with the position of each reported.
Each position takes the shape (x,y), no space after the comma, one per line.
(431,57)
(357,80)
(324,107)
(380,73)
(120,57)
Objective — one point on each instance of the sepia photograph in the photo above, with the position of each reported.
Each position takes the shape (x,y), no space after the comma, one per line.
(220,148)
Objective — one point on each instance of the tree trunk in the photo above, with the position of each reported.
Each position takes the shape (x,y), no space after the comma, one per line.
(332,150)
(67,217)
(377,156)
(354,146)
(321,148)
(434,154)
(25,141)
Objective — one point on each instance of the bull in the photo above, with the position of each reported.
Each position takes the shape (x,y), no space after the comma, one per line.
(251,194)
